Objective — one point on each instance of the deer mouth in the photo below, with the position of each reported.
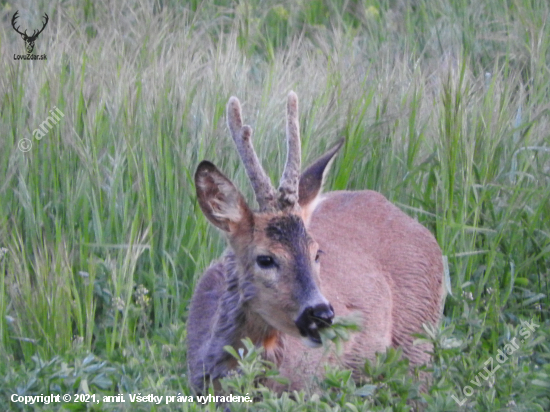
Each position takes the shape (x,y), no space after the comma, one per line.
(312,320)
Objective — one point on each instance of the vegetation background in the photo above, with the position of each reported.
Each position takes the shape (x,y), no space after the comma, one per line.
(444,105)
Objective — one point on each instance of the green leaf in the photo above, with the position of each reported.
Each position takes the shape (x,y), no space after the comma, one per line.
(365,390)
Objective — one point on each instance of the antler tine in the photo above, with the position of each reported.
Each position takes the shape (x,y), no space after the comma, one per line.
(288,188)
(242,136)
(13,23)
(234,119)
(43,24)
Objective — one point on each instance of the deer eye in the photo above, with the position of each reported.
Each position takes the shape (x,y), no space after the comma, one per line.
(265,262)
(318,255)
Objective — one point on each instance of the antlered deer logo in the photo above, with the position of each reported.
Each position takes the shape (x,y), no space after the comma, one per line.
(29,40)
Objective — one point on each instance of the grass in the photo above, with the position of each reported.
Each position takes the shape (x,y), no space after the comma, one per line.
(444,107)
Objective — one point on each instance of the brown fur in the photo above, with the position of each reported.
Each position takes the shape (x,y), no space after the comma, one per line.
(377,262)
(354,250)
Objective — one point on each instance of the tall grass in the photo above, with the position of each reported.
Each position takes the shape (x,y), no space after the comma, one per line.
(444,107)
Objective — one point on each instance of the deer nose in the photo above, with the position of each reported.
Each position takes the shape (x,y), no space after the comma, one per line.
(315,317)
(322,315)
(311,320)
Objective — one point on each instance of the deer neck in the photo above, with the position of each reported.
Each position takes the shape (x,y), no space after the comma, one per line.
(258,330)
(263,335)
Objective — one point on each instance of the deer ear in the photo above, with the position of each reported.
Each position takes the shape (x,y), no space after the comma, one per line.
(220,201)
(313,178)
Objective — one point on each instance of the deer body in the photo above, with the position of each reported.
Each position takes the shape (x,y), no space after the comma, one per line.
(295,264)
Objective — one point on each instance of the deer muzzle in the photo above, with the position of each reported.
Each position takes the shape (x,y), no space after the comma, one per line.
(311,320)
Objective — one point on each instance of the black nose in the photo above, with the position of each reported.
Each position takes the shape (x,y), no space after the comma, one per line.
(322,315)
(314,318)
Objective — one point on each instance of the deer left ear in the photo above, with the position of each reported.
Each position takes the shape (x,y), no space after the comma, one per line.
(312,180)
(220,201)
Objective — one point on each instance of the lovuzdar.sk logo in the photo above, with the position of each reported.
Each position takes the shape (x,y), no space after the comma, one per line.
(29,40)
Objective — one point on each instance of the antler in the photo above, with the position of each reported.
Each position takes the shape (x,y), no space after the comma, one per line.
(13,19)
(288,188)
(34,36)
(34,33)
(242,136)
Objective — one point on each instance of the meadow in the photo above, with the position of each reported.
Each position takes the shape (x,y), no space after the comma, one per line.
(445,109)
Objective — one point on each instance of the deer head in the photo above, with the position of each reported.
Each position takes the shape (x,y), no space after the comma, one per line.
(272,246)
(29,40)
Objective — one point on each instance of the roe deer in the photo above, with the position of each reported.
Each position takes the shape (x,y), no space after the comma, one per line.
(303,258)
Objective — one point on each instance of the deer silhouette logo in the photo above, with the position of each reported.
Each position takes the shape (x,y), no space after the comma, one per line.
(29,40)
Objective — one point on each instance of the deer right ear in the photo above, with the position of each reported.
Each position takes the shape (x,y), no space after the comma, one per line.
(220,201)
(312,179)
